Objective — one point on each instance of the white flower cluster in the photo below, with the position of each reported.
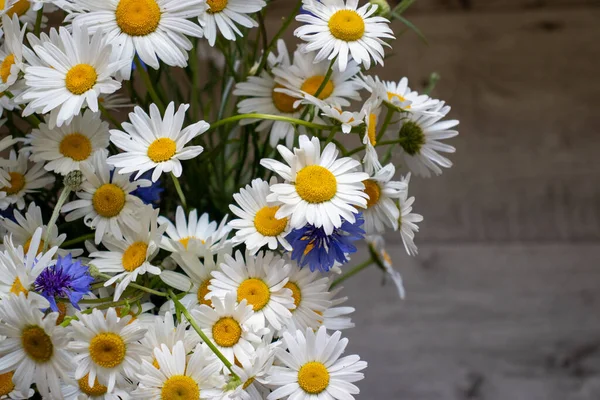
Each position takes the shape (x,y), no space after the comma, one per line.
(165,302)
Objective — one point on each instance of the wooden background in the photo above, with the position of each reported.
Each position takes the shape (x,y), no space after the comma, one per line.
(503,301)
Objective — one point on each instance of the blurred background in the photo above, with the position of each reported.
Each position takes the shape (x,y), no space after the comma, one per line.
(503,301)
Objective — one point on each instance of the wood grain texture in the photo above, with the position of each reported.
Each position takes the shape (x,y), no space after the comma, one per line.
(481,322)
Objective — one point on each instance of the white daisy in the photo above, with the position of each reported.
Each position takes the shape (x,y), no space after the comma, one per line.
(6,143)
(152,29)
(162,331)
(371,110)
(24,178)
(399,94)
(11,51)
(254,375)
(305,76)
(25,10)
(257,225)
(131,256)
(151,142)
(34,348)
(223,15)
(194,234)
(7,386)
(381,209)
(107,349)
(83,391)
(72,76)
(313,367)
(260,280)
(65,147)
(262,98)
(105,201)
(336,318)
(408,220)
(377,244)
(178,377)
(420,138)
(227,326)
(319,189)
(339,28)
(24,227)
(334,112)
(20,269)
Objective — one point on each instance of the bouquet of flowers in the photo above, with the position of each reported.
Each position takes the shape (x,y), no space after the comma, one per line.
(181,192)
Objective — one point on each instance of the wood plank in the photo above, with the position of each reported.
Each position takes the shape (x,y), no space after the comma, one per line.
(481,322)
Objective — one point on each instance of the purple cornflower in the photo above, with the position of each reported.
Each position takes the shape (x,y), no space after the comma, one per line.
(65,279)
(320,251)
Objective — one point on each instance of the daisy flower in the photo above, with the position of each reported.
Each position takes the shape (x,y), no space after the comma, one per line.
(263,97)
(260,280)
(178,377)
(341,29)
(319,189)
(25,10)
(399,94)
(313,367)
(24,178)
(65,148)
(6,143)
(11,51)
(151,142)
(257,225)
(383,259)
(35,347)
(107,349)
(370,111)
(190,234)
(420,138)
(152,29)
(131,256)
(381,209)
(70,79)
(334,112)
(222,16)
(408,220)
(305,76)
(227,325)
(19,269)
(163,332)
(336,318)
(7,386)
(105,200)
(254,375)
(23,228)
(83,391)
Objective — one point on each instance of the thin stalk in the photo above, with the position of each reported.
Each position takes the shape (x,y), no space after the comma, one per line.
(64,195)
(109,117)
(38,22)
(149,85)
(352,272)
(147,290)
(179,191)
(388,118)
(322,86)
(269,117)
(80,239)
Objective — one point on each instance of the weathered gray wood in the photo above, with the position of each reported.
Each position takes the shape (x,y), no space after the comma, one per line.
(481,322)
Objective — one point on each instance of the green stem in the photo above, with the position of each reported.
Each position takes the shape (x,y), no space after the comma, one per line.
(198,330)
(147,290)
(64,195)
(38,22)
(322,86)
(149,85)
(80,239)
(179,191)
(108,116)
(388,118)
(352,272)
(103,307)
(293,121)
(433,80)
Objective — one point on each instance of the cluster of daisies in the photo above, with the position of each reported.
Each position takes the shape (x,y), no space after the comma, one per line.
(116,285)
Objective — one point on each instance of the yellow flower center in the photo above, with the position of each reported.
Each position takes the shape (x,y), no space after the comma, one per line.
(18,288)
(216,6)
(374,191)
(134,256)
(296,293)
(96,390)
(76,146)
(107,349)
(347,25)
(19,8)
(284,102)
(313,377)
(227,332)
(316,184)
(6,383)
(266,224)
(37,344)
(17,183)
(372,131)
(180,387)
(138,17)
(202,292)
(255,291)
(28,243)
(312,85)
(81,78)
(248,382)
(162,149)
(62,313)
(7,63)
(109,200)
(391,96)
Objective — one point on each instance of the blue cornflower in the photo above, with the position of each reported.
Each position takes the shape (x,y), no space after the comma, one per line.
(150,194)
(312,246)
(66,279)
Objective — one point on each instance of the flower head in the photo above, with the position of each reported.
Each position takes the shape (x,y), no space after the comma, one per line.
(66,279)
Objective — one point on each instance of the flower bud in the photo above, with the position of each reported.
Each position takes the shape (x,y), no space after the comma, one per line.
(383,8)
(73,180)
